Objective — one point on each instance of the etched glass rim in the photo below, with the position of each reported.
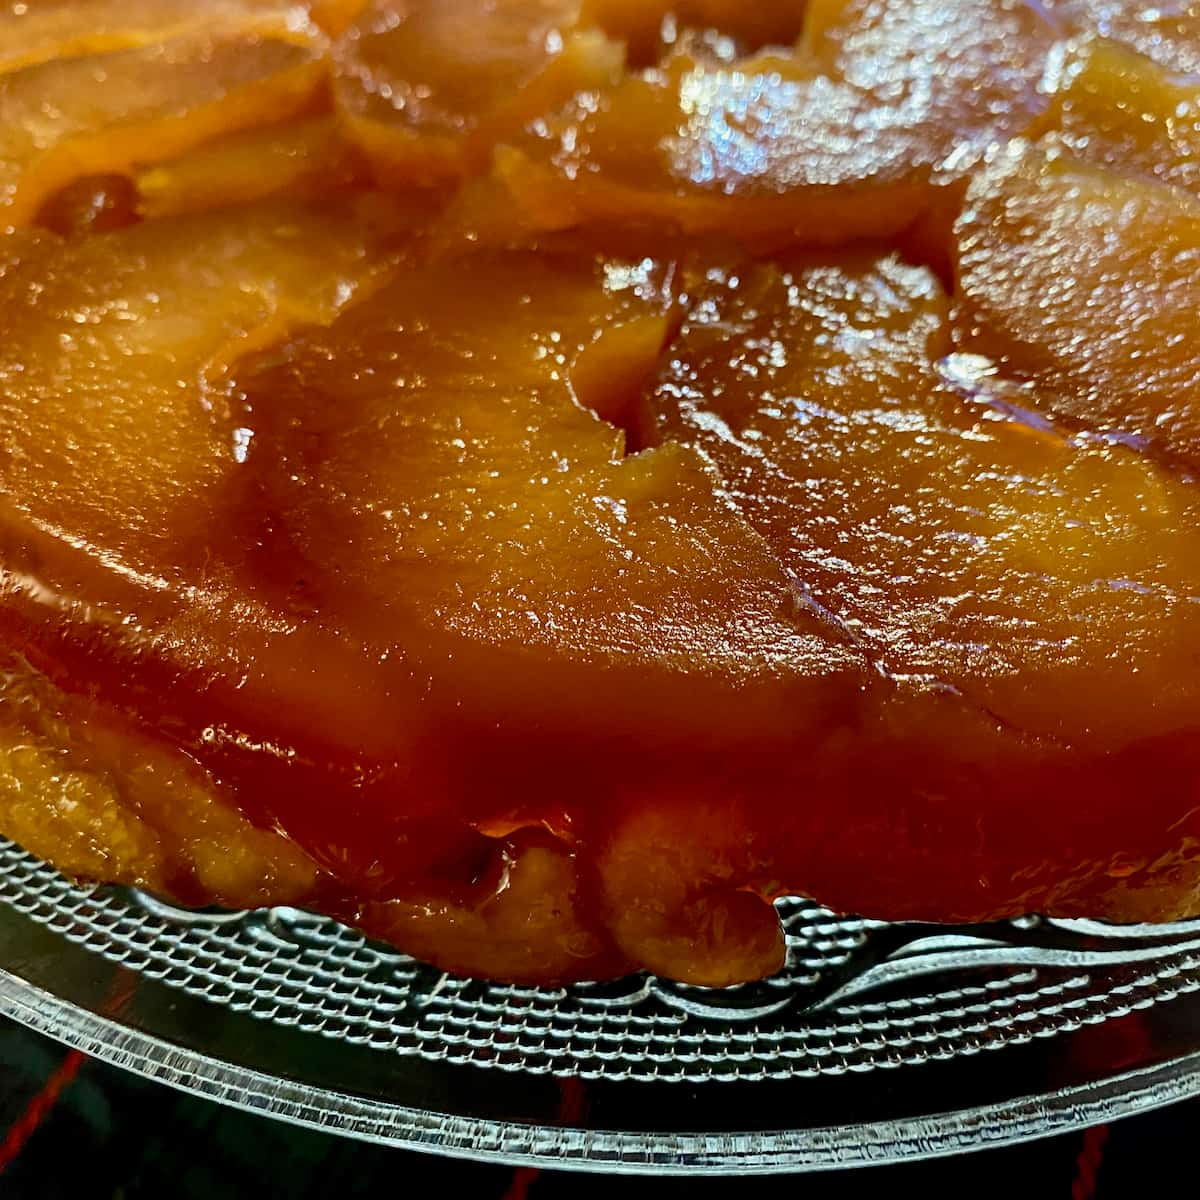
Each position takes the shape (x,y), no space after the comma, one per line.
(624,1151)
(991,1035)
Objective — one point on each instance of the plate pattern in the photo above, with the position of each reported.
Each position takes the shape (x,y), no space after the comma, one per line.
(855,996)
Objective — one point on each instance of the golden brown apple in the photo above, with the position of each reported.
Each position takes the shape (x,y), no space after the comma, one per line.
(1082,282)
(104,113)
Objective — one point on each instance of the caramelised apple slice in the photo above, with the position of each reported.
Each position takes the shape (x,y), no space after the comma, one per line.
(427,87)
(435,606)
(1124,112)
(39,31)
(82,791)
(839,139)
(590,626)
(106,113)
(1084,282)
(964,540)
(430,456)
(647,28)
(1169,32)
(116,427)
(120,459)
(123,518)
(1031,594)
(802,144)
(300,158)
(978,65)
(532,915)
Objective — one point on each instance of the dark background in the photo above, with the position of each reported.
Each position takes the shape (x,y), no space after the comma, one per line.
(72,1127)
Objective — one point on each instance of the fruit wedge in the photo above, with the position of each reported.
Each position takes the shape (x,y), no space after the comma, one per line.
(433,542)
(1083,282)
(978,61)
(802,143)
(961,538)
(121,447)
(300,158)
(459,508)
(37,32)
(118,344)
(840,139)
(111,112)
(1169,32)
(428,87)
(1028,593)
(122,464)
(1122,111)
(434,455)
(77,789)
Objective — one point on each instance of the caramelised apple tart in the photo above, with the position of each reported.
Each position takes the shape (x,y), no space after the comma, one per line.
(539,480)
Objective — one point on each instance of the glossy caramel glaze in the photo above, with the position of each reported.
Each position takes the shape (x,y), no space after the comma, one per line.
(539,479)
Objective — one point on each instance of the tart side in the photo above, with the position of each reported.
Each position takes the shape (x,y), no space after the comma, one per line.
(541,480)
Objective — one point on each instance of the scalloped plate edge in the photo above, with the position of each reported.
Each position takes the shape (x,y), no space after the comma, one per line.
(988,1126)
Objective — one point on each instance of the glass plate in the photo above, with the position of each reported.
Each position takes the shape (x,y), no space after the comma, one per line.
(877,1042)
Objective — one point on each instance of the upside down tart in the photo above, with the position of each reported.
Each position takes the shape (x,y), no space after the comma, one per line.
(540,479)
